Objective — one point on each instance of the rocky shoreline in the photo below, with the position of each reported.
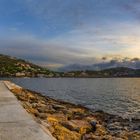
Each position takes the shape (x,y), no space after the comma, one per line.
(68,121)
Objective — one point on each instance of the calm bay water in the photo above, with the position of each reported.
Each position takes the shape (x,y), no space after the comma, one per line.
(119,96)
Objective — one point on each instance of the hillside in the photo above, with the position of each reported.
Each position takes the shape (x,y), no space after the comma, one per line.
(14,67)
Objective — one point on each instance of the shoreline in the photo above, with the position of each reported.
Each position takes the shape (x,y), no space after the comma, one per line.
(74,122)
(74,77)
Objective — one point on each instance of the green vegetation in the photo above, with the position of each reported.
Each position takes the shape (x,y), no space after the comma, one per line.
(13,67)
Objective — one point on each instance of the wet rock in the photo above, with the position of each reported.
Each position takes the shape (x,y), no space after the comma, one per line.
(115,127)
(93,124)
(136,128)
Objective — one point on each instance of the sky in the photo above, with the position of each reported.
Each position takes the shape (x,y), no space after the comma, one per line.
(56,33)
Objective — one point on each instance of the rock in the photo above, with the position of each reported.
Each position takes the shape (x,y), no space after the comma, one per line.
(30,96)
(28,104)
(80,126)
(32,110)
(22,98)
(133,135)
(115,127)
(86,137)
(93,124)
(42,109)
(51,111)
(50,107)
(78,115)
(41,115)
(71,126)
(45,123)
(34,105)
(136,128)
(58,107)
(43,102)
(100,130)
(52,120)
(62,133)
(135,120)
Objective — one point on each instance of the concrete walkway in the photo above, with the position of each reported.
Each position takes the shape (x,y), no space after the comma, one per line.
(15,122)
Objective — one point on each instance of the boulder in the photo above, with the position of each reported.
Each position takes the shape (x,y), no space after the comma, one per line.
(71,126)
(41,109)
(41,115)
(79,126)
(62,133)
(93,124)
(34,105)
(58,107)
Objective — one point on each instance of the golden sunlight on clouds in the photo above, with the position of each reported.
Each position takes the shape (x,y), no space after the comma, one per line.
(51,66)
(132,44)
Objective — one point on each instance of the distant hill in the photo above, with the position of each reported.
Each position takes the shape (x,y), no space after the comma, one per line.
(14,67)
(107,73)
(127,63)
(11,67)
(121,72)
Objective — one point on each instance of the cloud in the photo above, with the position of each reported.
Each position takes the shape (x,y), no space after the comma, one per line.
(120,39)
(63,32)
(42,52)
(133,7)
(124,62)
(83,45)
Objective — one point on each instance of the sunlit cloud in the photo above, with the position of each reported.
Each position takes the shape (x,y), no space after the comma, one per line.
(63,32)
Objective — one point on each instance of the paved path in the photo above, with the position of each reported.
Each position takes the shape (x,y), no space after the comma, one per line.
(15,122)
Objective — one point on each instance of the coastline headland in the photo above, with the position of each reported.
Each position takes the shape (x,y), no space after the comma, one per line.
(68,121)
